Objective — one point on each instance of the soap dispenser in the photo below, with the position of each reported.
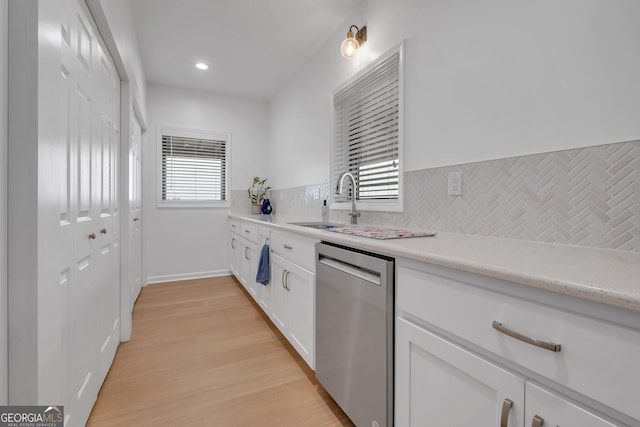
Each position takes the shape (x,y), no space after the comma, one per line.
(325,211)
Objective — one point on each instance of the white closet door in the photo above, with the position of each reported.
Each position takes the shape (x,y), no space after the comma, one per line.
(64,283)
(107,130)
(135,212)
(84,216)
(93,276)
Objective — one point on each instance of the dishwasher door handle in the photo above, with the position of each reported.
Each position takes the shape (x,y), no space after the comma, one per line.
(351,270)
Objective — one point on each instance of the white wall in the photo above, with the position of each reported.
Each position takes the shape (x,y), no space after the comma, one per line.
(484,80)
(184,243)
(4,35)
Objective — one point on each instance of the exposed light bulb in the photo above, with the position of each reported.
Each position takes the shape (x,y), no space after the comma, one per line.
(349,47)
(353,42)
(202,66)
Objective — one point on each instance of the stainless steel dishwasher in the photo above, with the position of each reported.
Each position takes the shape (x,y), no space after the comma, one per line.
(354,332)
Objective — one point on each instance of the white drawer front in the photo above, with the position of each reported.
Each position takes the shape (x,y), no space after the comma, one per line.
(234,226)
(299,250)
(249,231)
(553,410)
(597,358)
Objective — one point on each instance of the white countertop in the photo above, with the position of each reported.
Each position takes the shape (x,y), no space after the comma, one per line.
(600,275)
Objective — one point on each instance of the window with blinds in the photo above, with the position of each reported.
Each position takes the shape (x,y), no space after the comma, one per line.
(367,137)
(194,167)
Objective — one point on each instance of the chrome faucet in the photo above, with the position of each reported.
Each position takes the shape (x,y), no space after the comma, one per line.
(354,214)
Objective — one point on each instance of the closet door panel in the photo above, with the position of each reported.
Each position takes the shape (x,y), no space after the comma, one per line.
(92,333)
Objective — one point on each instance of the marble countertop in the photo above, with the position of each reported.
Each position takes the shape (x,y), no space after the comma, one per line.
(600,275)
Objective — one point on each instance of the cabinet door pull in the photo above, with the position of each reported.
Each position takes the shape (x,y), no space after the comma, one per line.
(232,243)
(92,236)
(286,280)
(542,344)
(247,231)
(537,421)
(103,231)
(283,275)
(506,408)
(246,248)
(288,247)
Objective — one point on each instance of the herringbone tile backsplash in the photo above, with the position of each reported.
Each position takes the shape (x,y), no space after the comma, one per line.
(587,197)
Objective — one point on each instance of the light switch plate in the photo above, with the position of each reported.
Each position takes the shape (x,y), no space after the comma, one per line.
(454,187)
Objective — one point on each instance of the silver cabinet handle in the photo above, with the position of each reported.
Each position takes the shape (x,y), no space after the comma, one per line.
(288,247)
(246,248)
(284,272)
(247,231)
(232,243)
(286,280)
(537,421)
(507,404)
(542,344)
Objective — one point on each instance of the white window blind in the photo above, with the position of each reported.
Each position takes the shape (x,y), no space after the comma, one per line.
(194,169)
(366,132)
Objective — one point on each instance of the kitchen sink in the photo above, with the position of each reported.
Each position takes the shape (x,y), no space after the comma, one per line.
(318,225)
(371,232)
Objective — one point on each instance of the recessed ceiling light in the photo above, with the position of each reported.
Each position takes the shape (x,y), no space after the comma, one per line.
(202,66)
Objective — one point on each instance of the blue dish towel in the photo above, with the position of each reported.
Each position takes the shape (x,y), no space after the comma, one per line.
(263,266)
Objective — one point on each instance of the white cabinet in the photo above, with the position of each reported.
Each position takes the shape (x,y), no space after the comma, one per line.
(293,281)
(450,321)
(293,302)
(249,266)
(243,255)
(234,248)
(249,256)
(544,408)
(289,298)
(279,313)
(441,384)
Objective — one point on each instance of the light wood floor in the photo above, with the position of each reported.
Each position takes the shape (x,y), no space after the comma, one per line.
(203,354)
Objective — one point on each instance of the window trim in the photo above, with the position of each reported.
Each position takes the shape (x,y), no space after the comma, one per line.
(190,133)
(378,205)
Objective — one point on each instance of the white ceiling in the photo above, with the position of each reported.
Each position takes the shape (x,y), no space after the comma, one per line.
(252,47)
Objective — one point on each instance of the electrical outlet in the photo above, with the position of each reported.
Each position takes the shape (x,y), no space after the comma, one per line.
(454,187)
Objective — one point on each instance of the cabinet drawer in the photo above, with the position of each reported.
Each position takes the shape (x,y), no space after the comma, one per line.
(440,384)
(249,231)
(234,226)
(597,359)
(553,410)
(297,249)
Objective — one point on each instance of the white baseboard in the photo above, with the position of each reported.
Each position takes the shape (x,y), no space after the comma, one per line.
(187,276)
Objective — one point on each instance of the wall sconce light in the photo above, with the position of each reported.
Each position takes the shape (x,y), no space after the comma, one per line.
(352,43)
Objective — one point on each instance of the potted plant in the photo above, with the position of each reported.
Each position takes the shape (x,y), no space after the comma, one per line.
(257,193)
